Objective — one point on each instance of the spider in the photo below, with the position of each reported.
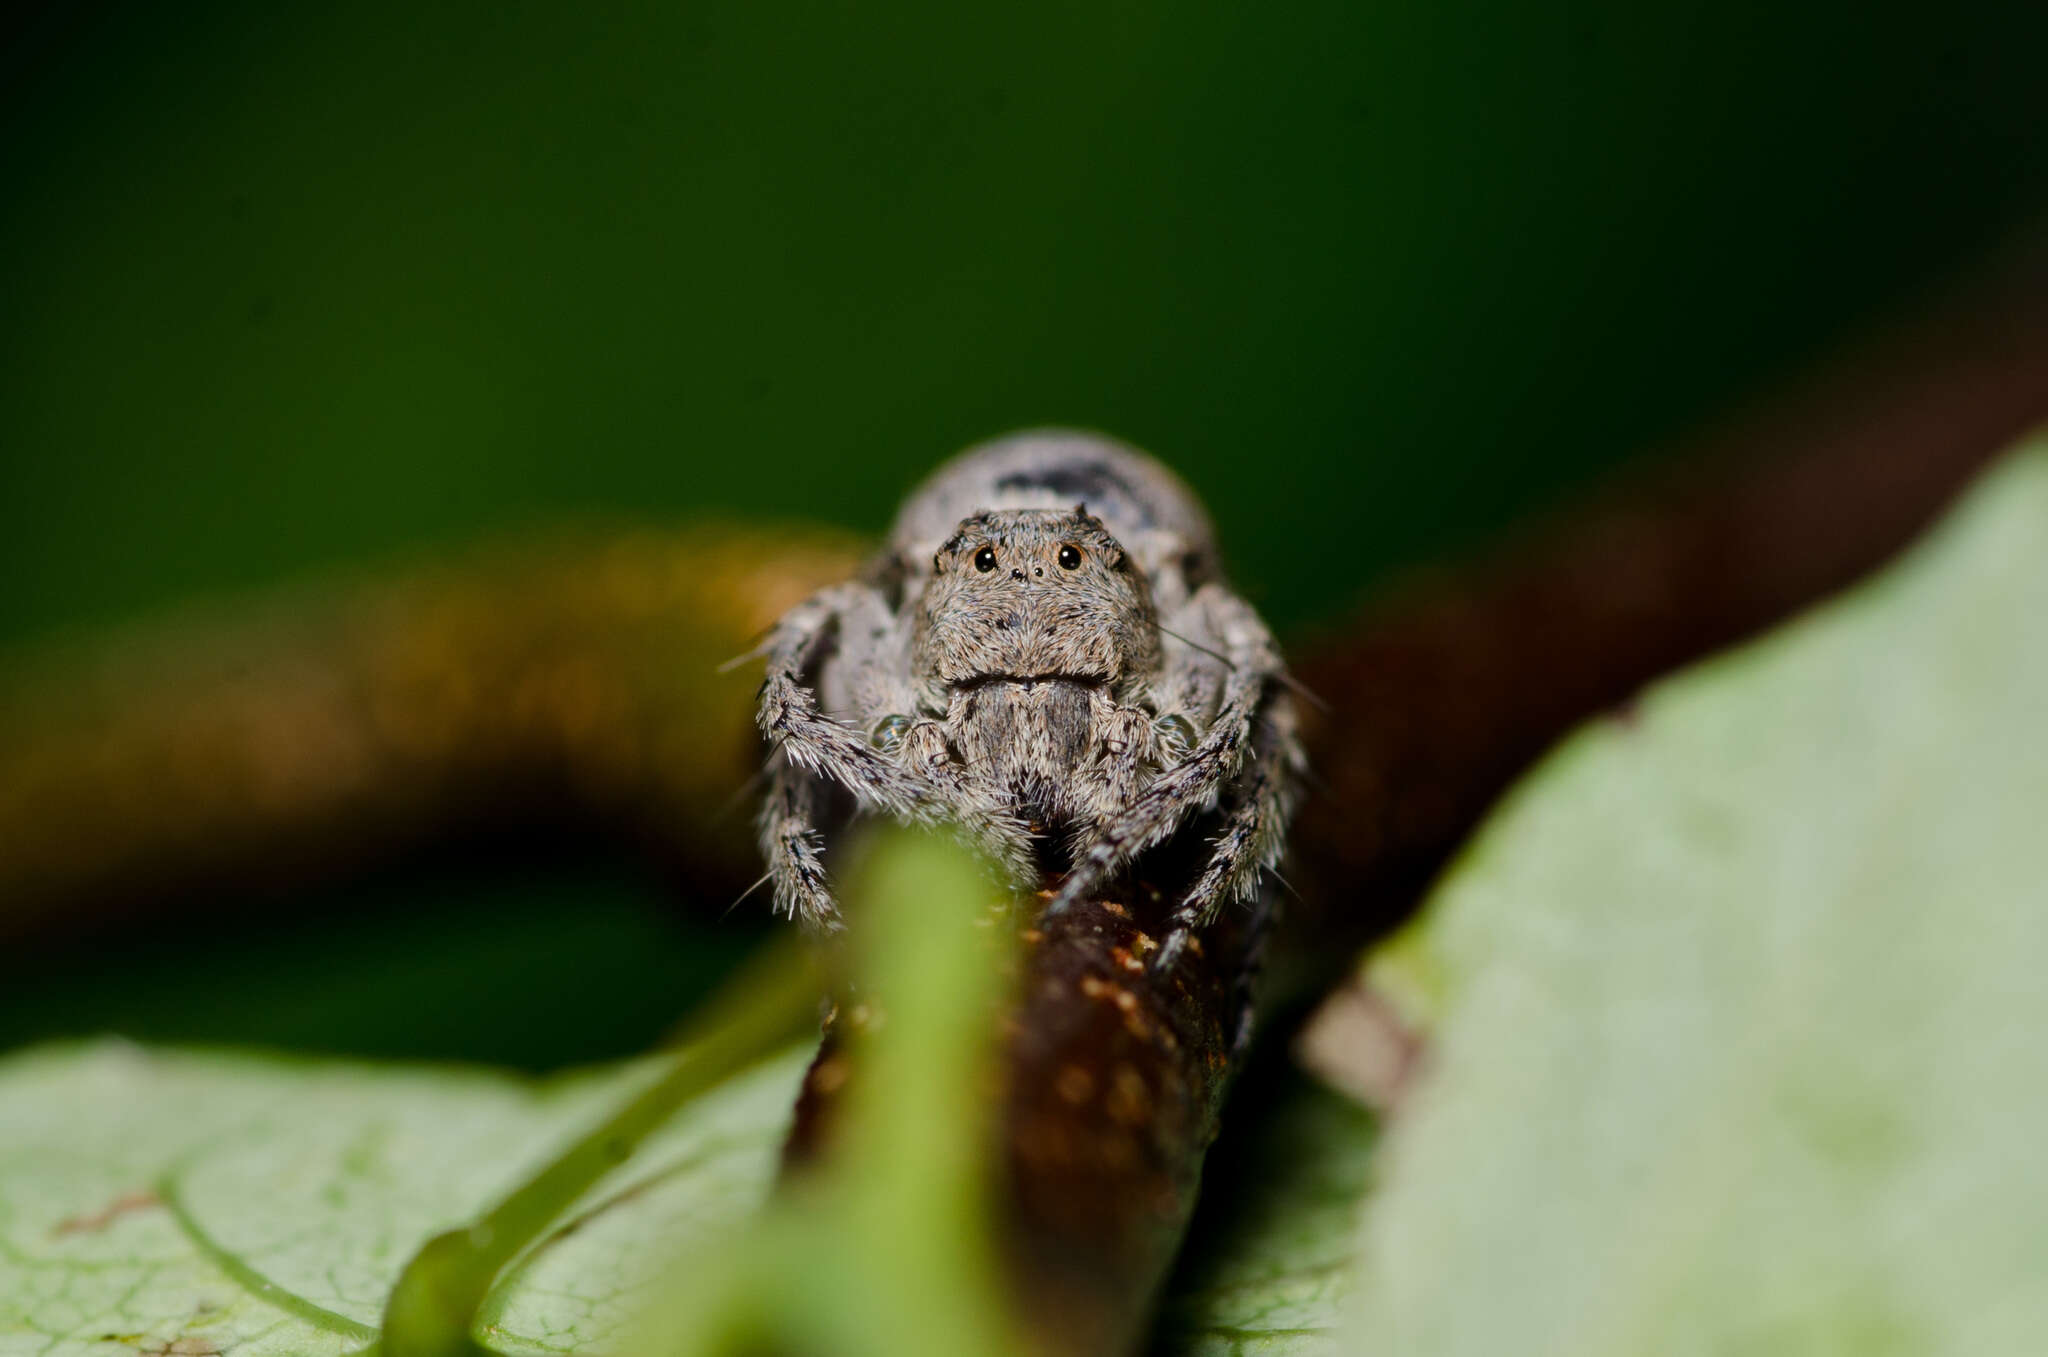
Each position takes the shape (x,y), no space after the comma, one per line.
(1046,659)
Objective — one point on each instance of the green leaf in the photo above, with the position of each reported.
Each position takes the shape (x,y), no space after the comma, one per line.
(440,1297)
(1742,1000)
(200,1203)
(265,1205)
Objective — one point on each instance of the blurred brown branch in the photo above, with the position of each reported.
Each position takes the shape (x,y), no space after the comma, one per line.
(567,683)
(1451,687)
(575,684)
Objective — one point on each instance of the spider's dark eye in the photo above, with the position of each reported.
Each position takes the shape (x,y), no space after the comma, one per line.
(1070,557)
(985,559)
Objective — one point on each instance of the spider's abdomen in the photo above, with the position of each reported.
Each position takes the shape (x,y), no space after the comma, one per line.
(1138,499)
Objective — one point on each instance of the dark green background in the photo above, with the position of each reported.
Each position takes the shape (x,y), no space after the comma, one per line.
(287,286)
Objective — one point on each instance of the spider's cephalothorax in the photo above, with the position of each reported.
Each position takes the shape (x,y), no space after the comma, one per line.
(1045,657)
(1035,637)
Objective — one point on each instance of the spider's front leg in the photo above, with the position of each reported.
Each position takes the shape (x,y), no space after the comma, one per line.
(1254,832)
(794,848)
(902,768)
(788,715)
(1153,816)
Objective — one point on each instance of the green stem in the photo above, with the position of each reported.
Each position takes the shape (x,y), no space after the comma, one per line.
(433,1307)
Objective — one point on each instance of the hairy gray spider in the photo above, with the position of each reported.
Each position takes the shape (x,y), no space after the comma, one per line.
(1046,659)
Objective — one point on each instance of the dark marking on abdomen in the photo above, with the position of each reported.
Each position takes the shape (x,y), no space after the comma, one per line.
(1078,482)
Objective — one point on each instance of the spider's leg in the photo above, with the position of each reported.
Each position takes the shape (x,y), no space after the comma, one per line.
(1253,835)
(1155,814)
(791,843)
(918,784)
(788,715)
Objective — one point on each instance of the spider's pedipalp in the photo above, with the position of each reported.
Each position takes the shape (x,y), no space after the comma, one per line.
(1198,780)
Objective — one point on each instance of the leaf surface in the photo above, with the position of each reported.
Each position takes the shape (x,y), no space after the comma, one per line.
(227,1201)
(1742,997)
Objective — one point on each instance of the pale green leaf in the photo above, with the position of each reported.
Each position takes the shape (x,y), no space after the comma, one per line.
(183,1202)
(1743,996)
(266,1205)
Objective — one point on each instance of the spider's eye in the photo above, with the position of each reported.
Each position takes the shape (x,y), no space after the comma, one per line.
(888,733)
(1070,556)
(985,559)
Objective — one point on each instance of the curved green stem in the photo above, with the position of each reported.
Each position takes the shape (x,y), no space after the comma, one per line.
(433,1307)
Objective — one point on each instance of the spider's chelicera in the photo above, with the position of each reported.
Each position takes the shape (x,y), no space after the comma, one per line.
(1047,659)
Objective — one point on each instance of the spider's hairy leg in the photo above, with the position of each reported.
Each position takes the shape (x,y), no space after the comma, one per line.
(919,783)
(788,715)
(1156,813)
(1253,836)
(791,843)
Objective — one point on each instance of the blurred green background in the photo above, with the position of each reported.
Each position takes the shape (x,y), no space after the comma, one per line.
(287,287)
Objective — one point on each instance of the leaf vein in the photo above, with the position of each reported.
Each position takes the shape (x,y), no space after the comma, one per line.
(252,1281)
